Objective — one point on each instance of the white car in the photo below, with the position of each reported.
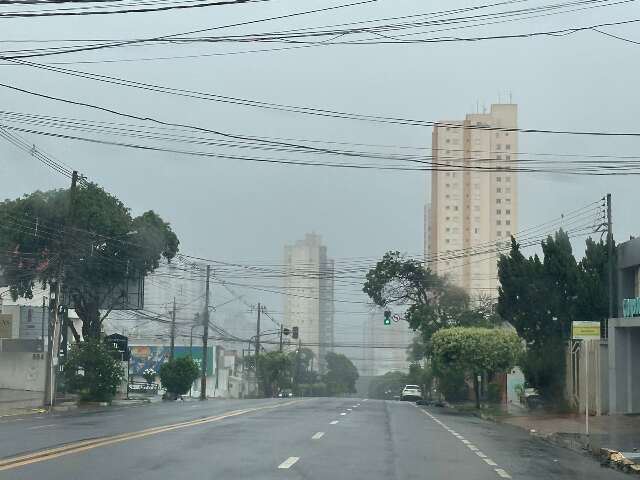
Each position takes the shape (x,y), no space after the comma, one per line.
(411,392)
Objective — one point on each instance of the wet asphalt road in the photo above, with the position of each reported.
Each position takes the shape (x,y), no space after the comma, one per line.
(281,439)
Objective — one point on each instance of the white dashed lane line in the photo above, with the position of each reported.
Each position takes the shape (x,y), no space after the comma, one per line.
(317,436)
(333,422)
(289,462)
(43,426)
(343,413)
(502,473)
(499,471)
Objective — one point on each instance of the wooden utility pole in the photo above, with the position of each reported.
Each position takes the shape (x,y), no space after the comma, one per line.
(205,338)
(172,349)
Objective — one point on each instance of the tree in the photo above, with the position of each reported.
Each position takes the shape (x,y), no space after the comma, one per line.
(177,376)
(387,386)
(302,360)
(341,374)
(92,371)
(274,372)
(432,302)
(475,351)
(105,246)
(542,298)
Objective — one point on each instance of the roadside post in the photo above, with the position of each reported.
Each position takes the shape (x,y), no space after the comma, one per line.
(585,332)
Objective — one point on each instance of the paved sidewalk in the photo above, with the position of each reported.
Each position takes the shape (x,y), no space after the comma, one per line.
(617,432)
(19,402)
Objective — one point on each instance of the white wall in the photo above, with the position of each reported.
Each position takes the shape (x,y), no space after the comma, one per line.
(22,371)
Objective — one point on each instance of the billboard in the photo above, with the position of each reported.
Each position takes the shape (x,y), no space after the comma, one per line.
(143,357)
(129,295)
(585,330)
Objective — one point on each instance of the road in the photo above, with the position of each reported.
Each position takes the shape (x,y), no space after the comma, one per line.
(321,438)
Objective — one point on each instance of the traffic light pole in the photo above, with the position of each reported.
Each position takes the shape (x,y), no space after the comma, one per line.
(281,338)
(205,339)
(258,346)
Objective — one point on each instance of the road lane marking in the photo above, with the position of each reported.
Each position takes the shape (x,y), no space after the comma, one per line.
(354,406)
(349,409)
(334,422)
(466,442)
(473,448)
(502,473)
(343,413)
(480,454)
(490,462)
(43,426)
(85,445)
(317,436)
(289,462)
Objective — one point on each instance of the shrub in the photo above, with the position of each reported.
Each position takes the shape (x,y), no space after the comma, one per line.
(178,375)
(92,371)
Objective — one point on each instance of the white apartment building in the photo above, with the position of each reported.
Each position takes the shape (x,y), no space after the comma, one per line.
(472,210)
(308,301)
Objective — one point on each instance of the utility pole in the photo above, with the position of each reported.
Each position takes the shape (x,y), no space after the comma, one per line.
(611,265)
(258,346)
(56,298)
(173,330)
(44,303)
(205,338)
(281,338)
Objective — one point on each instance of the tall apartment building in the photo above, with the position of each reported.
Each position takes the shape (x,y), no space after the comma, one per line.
(397,336)
(309,283)
(473,210)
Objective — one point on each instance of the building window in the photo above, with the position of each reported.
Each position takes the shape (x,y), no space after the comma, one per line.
(448,174)
(447,141)
(475,230)
(455,208)
(508,200)
(507,211)
(498,212)
(507,157)
(448,128)
(447,196)
(499,201)
(498,190)
(447,207)
(498,233)
(498,146)
(498,222)
(507,222)
(508,233)
(498,157)
(447,185)
(447,229)
(507,179)
(448,218)
(476,207)
(498,179)
(476,219)
(508,190)
(446,241)
(506,134)
(497,134)
(507,146)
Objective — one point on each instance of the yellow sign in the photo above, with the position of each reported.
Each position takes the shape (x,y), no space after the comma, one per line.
(585,330)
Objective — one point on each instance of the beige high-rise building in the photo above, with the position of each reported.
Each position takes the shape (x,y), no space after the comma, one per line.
(473,211)
(308,302)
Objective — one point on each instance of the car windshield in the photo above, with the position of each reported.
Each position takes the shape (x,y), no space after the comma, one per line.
(231,231)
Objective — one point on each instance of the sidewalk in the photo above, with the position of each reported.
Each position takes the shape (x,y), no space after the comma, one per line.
(18,402)
(616,432)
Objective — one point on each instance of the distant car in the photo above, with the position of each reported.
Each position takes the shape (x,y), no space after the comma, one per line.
(411,392)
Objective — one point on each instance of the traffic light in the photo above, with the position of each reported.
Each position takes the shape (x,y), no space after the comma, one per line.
(294,332)
(387,317)
(286,331)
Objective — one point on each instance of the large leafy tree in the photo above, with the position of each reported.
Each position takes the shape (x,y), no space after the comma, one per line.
(274,372)
(102,246)
(341,374)
(302,360)
(431,302)
(541,299)
(475,351)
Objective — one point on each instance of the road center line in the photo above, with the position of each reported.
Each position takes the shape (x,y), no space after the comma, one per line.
(289,462)
(343,413)
(490,462)
(84,445)
(502,473)
(333,422)
(473,448)
(480,454)
(317,436)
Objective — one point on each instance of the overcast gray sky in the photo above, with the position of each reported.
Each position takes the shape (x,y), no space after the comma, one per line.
(236,211)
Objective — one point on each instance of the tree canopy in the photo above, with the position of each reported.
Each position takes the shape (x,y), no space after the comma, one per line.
(274,372)
(102,245)
(341,374)
(475,351)
(541,298)
(431,301)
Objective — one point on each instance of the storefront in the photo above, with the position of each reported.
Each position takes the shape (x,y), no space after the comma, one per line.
(624,333)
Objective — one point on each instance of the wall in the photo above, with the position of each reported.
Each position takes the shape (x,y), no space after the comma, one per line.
(22,371)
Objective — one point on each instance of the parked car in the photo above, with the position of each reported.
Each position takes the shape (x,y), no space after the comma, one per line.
(411,392)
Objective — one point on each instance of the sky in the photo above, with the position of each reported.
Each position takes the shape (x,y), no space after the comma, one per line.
(246,212)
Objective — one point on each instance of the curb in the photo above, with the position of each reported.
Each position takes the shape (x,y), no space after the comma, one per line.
(617,460)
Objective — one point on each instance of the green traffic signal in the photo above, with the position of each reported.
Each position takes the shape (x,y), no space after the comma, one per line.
(387,317)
